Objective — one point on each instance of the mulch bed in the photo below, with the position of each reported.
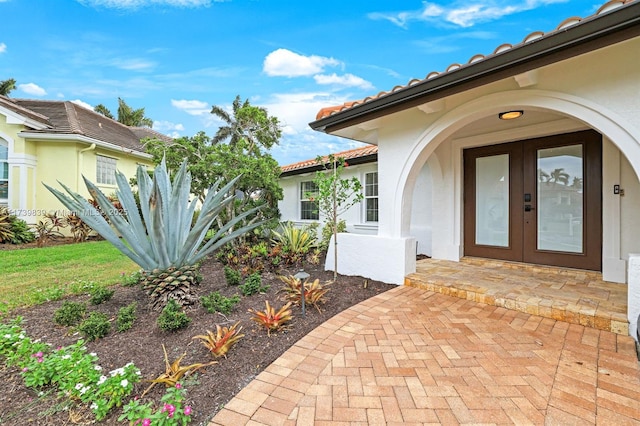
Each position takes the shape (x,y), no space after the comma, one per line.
(215,385)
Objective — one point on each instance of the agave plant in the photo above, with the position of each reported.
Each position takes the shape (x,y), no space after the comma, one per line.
(161,239)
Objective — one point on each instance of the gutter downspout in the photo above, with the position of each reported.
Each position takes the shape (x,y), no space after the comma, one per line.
(80,157)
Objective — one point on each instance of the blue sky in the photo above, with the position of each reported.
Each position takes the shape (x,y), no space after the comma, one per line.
(177,58)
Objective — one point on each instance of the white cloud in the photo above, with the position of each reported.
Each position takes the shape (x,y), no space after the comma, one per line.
(168,126)
(32,89)
(137,4)
(133,64)
(82,104)
(347,80)
(193,107)
(285,63)
(462,13)
(3,47)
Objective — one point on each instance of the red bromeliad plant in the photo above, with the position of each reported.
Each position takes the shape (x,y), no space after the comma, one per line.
(220,342)
(270,319)
(313,292)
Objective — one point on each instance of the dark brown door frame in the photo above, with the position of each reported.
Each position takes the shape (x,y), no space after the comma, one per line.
(523,174)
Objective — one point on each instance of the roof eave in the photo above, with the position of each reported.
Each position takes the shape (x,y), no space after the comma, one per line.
(371,158)
(590,34)
(84,139)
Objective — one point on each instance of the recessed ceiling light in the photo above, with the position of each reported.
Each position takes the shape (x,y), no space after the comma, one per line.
(510,115)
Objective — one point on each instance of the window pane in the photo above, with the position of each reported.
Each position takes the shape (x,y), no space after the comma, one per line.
(4,189)
(4,151)
(309,210)
(106,170)
(4,170)
(371,185)
(492,200)
(560,199)
(372,209)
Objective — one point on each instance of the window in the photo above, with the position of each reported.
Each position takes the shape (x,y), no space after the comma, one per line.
(4,170)
(371,196)
(106,170)
(309,201)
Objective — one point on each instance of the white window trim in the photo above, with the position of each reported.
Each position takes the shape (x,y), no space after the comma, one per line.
(3,142)
(365,198)
(301,198)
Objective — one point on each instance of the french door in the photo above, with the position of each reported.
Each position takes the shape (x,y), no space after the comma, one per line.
(536,201)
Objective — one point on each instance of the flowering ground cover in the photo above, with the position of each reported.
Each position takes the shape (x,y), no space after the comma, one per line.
(196,397)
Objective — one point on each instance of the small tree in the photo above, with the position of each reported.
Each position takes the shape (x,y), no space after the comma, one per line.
(335,196)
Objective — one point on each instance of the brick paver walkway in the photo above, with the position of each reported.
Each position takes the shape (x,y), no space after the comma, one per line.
(411,356)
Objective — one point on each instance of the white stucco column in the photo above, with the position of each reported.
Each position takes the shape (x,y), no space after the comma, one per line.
(633,294)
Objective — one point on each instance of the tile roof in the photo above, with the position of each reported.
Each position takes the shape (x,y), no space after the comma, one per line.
(64,117)
(352,154)
(607,7)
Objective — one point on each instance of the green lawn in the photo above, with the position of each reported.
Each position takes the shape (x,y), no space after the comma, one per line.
(31,276)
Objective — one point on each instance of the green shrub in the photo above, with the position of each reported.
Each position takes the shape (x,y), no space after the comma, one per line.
(48,294)
(294,243)
(327,233)
(131,279)
(100,295)
(82,286)
(232,276)
(97,325)
(172,317)
(70,313)
(14,230)
(253,285)
(126,317)
(215,302)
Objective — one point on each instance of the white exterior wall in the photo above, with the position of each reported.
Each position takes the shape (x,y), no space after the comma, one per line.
(599,90)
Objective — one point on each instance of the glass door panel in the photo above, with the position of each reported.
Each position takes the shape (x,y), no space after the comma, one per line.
(492,200)
(560,199)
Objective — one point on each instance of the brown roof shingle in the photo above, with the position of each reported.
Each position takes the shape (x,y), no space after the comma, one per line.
(64,117)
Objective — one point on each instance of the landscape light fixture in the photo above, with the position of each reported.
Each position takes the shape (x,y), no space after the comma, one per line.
(510,115)
(302,277)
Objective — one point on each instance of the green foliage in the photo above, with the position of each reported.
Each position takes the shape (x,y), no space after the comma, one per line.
(126,317)
(171,412)
(96,326)
(132,279)
(70,313)
(240,146)
(253,285)
(6,86)
(215,302)
(172,317)
(294,242)
(49,294)
(327,233)
(232,276)
(100,295)
(70,370)
(162,237)
(12,229)
(126,115)
(335,195)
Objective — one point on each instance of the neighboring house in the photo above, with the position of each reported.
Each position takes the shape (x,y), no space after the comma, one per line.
(297,184)
(572,104)
(50,141)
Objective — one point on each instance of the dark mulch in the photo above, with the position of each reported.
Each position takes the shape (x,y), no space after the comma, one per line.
(142,345)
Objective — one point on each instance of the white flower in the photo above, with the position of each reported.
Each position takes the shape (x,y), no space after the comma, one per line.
(97,368)
(124,383)
(79,386)
(7,336)
(94,406)
(102,380)
(93,354)
(66,356)
(83,390)
(21,336)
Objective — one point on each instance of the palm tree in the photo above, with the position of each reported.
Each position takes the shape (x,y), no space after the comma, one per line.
(6,86)
(126,115)
(101,109)
(559,175)
(249,124)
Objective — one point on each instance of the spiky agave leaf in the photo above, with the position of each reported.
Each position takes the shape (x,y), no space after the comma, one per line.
(162,237)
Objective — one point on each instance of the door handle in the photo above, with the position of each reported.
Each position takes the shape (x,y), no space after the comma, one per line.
(528,208)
